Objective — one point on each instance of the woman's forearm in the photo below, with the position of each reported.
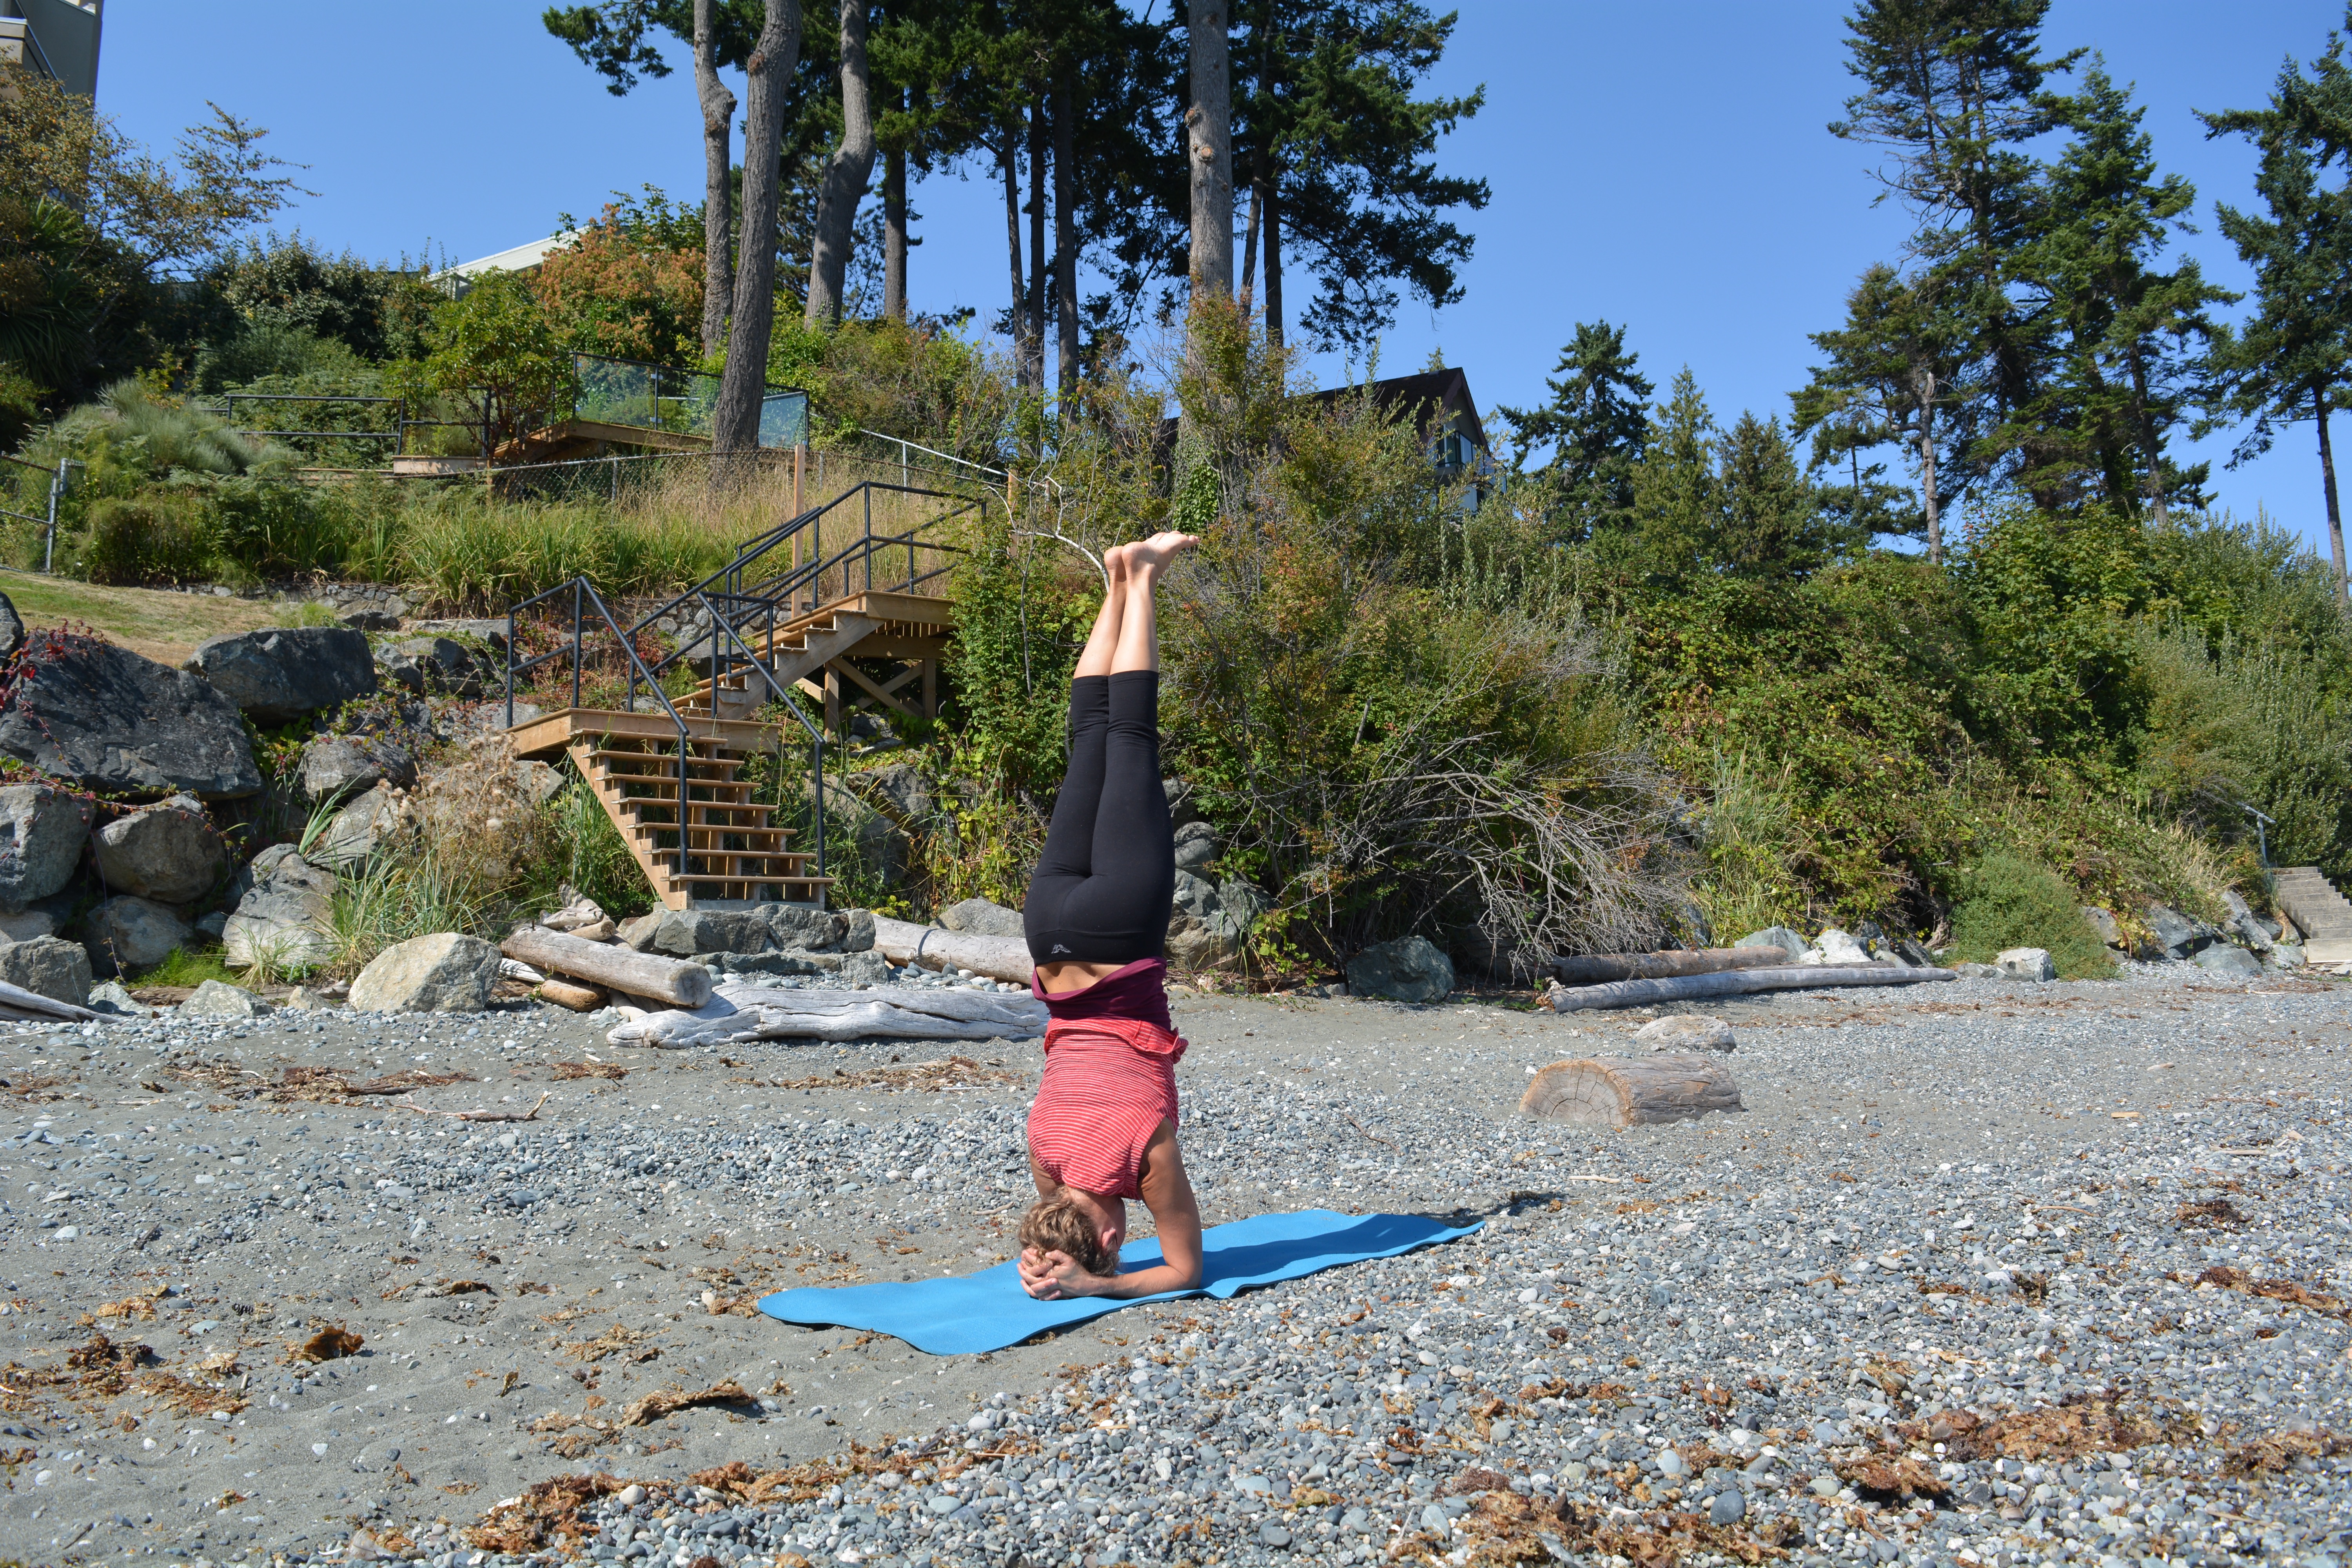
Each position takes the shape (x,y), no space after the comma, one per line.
(1151,1281)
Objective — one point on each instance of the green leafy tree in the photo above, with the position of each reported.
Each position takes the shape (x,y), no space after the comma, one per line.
(495,349)
(2129,337)
(1595,429)
(2292,361)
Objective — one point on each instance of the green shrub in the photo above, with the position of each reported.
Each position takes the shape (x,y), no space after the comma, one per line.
(147,539)
(2009,902)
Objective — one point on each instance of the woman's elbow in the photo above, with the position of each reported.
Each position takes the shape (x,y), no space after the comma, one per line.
(1188,1275)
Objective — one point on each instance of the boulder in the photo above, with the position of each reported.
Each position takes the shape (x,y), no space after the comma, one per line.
(170,852)
(218,999)
(536,783)
(1207,922)
(109,996)
(129,932)
(899,791)
(281,673)
(857,931)
(1196,846)
(119,724)
(433,666)
(2103,920)
(360,828)
(1686,1032)
(42,831)
(805,927)
(2220,957)
(1781,936)
(490,633)
(982,918)
(884,847)
(286,917)
(2024,964)
(336,767)
(27,924)
(444,972)
(2286,955)
(49,967)
(2172,934)
(637,935)
(2247,926)
(683,933)
(1183,803)
(12,629)
(866,968)
(1837,947)
(1410,969)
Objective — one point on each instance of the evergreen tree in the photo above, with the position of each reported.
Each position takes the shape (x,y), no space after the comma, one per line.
(1770,523)
(2293,361)
(2129,339)
(1677,512)
(1336,153)
(1594,427)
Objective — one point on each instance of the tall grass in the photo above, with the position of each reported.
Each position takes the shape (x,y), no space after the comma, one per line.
(465,551)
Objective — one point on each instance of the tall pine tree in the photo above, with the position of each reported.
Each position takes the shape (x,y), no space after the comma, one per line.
(1594,427)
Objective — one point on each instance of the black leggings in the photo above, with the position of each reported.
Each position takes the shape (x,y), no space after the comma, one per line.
(1102,887)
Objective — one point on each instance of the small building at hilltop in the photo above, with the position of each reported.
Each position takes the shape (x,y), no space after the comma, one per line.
(54,38)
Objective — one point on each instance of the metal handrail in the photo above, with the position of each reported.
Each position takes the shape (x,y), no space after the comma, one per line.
(816,733)
(583,593)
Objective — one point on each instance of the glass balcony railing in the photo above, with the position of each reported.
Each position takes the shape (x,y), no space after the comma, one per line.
(655,397)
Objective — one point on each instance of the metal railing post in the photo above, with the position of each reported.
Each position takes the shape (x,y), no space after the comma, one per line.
(576,634)
(510,657)
(49,537)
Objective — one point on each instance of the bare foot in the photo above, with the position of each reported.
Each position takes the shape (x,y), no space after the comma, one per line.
(1115,561)
(1150,554)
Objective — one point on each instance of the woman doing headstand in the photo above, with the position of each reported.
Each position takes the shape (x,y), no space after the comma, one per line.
(1103,1129)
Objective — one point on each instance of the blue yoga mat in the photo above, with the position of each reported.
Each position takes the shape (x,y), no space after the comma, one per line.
(989,1310)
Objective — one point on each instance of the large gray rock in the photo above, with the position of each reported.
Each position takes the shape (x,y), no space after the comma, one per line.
(281,673)
(169,852)
(900,792)
(285,917)
(866,968)
(1196,846)
(219,999)
(119,724)
(129,932)
(433,667)
(806,928)
(12,627)
(683,933)
(359,830)
(25,924)
(982,918)
(2025,963)
(49,967)
(42,831)
(1837,947)
(2221,958)
(1410,969)
(338,766)
(2173,934)
(1207,922)
(444,972)
(2103,920)
(2245,924)
(1686,1032)
(1781,936)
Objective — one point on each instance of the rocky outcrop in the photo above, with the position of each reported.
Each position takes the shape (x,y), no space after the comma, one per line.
(128,932)
(285,915)
(338,767)
(982,918)
(1410,969)
(281,673)
(119,724)
(42,831)
(1196,846)
(1207,922)
(436,666)
(50,966)
(444,972)
(169,852)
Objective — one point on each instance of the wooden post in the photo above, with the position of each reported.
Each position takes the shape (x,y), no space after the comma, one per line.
(799,457)
(831,699)
(930,688)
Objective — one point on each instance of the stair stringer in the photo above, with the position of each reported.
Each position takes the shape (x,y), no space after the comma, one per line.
(818,649)
(672,895)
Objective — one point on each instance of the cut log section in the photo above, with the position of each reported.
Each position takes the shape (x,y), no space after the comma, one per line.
(1621,1091)
(1586,969)
(1736,983)
(667,979)
(740,1013)
(998,957)
(579,998)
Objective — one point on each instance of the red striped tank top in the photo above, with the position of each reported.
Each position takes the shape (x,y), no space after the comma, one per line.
(1109,1080)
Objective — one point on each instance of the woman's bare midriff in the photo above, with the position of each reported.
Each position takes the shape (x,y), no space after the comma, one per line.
(1063,979)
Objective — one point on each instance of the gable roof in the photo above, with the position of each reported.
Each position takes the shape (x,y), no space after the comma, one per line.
(1434,400)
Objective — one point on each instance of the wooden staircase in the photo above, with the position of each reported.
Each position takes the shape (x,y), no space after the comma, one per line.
(2306,895)
(718,846)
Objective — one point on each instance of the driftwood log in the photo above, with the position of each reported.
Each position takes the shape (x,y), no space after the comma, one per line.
(615,968)
(739,1013)
(1736,983)
(15,1002)
(1629,1092)
(998,957)
(579,998)
(1589,969)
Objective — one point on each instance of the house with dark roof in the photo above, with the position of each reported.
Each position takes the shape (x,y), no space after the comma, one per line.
(1444,416)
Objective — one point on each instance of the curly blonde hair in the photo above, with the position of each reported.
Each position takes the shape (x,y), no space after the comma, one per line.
(1060,1223)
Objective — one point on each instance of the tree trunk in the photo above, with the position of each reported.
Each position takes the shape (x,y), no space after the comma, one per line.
(1737,983)
(2327,476)
(845,175)
(1009,160)
(1926,385)
(1065,249)
(1246,295)
(1209,148)
(717,168)
(1272,221)
(767,72)
(894,231)
(2145,427)
(1039,141)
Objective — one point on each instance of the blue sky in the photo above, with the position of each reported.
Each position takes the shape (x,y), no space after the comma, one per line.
(1661,166)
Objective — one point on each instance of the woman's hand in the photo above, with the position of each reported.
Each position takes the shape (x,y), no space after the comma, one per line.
(1055,1276)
